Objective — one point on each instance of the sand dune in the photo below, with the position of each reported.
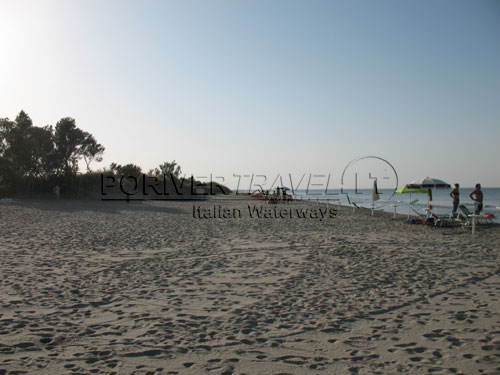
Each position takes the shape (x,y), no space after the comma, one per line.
(145,288)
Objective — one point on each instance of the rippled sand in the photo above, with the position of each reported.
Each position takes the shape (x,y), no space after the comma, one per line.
(145,288)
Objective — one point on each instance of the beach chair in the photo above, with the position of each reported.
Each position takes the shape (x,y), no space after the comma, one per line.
(467,214)
(412,203)
(465,210)
(457,218)
(420,217)
(471,218)
(463,217)
(487,218)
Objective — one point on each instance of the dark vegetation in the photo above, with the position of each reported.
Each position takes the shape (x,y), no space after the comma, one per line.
(33,160)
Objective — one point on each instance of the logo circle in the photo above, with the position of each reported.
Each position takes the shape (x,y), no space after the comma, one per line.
(370,168)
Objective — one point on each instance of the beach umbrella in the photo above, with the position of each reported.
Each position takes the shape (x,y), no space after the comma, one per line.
(428,183)
(375,195)
(404,189)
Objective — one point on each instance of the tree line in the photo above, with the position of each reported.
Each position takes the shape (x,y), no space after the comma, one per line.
(31,151)
(33,160)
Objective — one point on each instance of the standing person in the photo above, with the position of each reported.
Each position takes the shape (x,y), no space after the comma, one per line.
(455,195)
(477,197)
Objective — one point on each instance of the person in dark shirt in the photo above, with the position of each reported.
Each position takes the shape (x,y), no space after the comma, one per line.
(455,195)
(477,197)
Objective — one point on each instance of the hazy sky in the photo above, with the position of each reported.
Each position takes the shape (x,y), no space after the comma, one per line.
(265,87)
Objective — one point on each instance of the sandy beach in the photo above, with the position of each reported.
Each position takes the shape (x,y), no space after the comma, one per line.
(153,288)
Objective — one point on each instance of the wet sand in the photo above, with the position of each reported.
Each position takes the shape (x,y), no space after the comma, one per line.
(146,288)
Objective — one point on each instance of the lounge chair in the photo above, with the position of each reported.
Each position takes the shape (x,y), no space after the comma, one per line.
(462,217)
(472,218)
(465,210)
(486,218)
(467,214)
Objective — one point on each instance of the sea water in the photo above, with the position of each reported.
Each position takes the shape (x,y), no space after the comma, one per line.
(441,201)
